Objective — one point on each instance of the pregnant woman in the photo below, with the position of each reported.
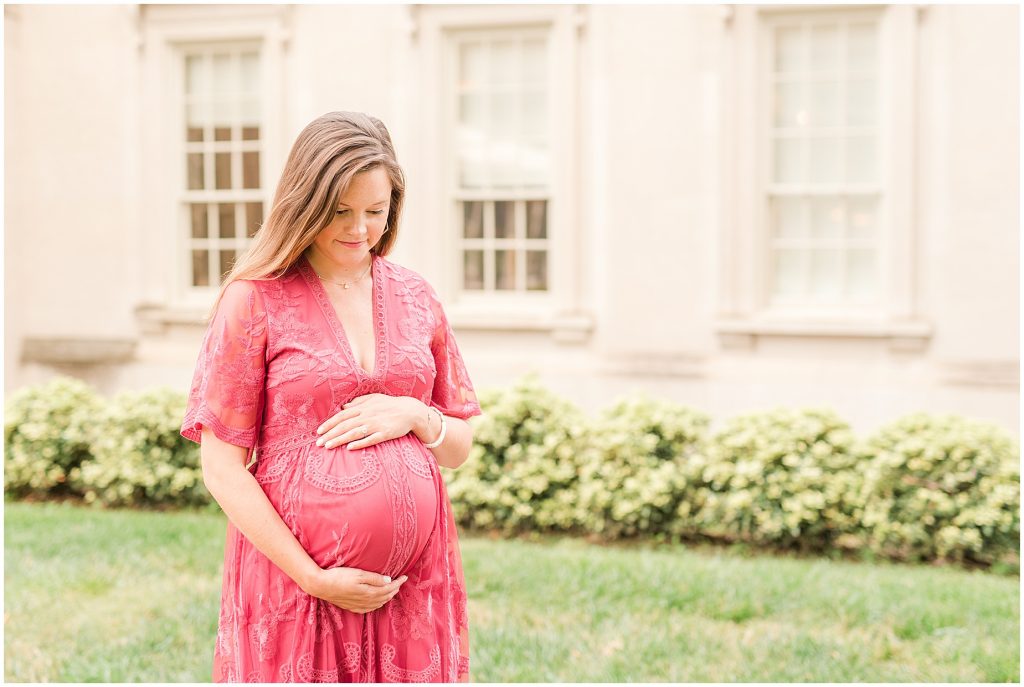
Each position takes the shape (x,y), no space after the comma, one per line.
(340,368)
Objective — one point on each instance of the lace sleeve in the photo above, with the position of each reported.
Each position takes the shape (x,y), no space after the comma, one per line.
(227,387)
(453,392)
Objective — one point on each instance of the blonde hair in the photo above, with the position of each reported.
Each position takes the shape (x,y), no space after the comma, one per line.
(325,157)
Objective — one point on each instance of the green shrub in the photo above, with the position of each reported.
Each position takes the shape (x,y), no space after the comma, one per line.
(942,486)
(633,476)
(139,456)
(46,435)
(522,470)
(782,477)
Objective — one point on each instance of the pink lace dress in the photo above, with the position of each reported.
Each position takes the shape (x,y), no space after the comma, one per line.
(275,363)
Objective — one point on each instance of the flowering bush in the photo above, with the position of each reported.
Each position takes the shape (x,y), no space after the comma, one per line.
(942,486)
(45,435)
(633,474)
(782,476)
(522,470)
(139,456)
(922,487)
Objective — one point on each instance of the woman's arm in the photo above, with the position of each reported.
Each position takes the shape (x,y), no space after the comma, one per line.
(247,506)
(458,438)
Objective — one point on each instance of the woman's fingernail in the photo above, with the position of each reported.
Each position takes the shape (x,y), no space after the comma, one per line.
(320,441)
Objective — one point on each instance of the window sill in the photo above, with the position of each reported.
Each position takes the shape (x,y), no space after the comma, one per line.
(158,319)
(77,350)
(563,328)
(906,336)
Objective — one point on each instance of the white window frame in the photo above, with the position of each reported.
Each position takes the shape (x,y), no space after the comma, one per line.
(163,242)
(458,195)
(745,313)
(560,309)
(236,196)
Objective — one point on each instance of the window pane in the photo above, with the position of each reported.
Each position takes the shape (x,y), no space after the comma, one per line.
(861,102)
(536,219)
(227,259)
(223,75)
(250,133)
(825,48)
(826,272)
(787,160)
(251,170)
(861,218)
(504,63)
(824,109)
(194,133)
(787,49)
(473,219)
(472,118)
(249,111)
(472,169)
(504,122)
(222,133)
(223,170)
(535,161)
(825,160)
(200,228)
(250,72)
(223,111)
(788,215)
(197,114)
(861,159)
(536,270)
(195,75)
(226,214)
(473,270)
(253,218)
(535,71)
(200,268)
(535,114)
(195,171)
(862,47)
(472,66)
(789,109)
(505,269)
(860,272)
(786,272)
(504,219)
(827,218)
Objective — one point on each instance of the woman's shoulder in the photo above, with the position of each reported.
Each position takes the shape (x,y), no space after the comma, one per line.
(406,276)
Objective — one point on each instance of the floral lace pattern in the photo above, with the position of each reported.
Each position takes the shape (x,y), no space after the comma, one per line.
(274,364)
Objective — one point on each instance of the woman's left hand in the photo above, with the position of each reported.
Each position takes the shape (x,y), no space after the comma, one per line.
(384,417)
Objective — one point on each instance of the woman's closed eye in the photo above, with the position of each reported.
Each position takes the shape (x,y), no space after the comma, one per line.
(372,212)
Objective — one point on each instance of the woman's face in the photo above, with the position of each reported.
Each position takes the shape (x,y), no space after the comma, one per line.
(359,220)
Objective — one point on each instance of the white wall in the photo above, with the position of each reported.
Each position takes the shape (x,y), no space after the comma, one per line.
(653,84)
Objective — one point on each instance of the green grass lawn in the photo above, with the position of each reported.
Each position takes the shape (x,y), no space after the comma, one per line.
(127,596)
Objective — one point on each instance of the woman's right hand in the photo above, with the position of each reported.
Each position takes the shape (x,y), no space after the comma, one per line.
(354,589)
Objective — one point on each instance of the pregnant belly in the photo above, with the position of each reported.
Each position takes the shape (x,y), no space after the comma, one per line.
(371,508)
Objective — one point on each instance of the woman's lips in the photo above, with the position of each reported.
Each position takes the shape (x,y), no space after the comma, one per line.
(351,245)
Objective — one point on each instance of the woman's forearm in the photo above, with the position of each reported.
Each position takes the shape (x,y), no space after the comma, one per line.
(458,437)
(247,506)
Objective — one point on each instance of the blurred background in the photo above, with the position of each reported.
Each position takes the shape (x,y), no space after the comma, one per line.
(734,207)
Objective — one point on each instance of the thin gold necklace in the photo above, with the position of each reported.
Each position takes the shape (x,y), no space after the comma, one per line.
(346,284)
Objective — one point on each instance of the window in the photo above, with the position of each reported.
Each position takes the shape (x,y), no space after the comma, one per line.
(222,201)
(503,169)
(818,219)
(824,185)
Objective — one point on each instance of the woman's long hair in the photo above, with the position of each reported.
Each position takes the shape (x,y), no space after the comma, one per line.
(327,154)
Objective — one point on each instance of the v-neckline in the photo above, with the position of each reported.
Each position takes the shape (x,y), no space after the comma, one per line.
(327,307)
